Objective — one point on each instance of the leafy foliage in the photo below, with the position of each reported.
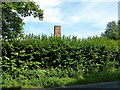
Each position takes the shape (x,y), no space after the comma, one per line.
(112,31)
(45,52)
(12,23)
(41,78)
(57,61)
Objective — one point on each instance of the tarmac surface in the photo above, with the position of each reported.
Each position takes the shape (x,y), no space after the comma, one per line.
(115,84)
(97,86)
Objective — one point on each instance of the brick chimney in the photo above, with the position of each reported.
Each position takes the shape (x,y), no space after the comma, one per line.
(57,30)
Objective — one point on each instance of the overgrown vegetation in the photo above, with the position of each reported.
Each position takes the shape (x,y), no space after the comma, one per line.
(41,61)
(12,14)
(34,61)
(112,30)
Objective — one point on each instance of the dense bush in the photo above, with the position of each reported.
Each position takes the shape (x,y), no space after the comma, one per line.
(53,78)
(40,60)
(46,78)
(44,52)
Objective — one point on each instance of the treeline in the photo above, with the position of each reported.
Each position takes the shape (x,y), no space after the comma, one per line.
(112,30)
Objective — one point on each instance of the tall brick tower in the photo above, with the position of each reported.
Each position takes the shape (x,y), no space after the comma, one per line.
(57,30)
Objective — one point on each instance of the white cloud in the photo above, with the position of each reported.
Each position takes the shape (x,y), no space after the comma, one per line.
(75,19)
(104,21)
(54,15)
(85,33)
(30,19)
(51,14)
(97,19)
(91,14)
(47,3)
(89,0)
(100,18)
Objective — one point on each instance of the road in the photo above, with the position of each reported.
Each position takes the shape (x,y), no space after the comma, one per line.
(98,86)
(115,84)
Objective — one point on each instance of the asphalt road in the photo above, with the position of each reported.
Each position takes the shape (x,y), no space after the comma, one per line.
(98,86)
(115,84)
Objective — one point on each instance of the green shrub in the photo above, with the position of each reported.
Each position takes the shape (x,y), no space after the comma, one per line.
(44,52)
(31,60)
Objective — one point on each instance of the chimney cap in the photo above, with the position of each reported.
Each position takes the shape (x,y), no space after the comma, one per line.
(57,26)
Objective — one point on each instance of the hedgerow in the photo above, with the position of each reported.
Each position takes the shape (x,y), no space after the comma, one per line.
(62,57)
(44,52)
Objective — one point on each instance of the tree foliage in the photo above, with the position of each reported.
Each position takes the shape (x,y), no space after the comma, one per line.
(112,30)
(12,13)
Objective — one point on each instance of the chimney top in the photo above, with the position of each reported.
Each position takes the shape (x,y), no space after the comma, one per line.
(57,26)
(57,30)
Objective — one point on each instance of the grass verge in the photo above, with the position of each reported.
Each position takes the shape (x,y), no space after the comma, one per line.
(50,82)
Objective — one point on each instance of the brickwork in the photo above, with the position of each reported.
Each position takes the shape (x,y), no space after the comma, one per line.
(57,31)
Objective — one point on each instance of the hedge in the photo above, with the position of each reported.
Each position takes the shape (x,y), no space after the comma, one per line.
(34,52)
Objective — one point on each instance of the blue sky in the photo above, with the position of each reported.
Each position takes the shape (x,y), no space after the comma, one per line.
(81,18)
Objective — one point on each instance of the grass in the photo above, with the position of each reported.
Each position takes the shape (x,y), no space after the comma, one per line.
(50,82)
(100,77)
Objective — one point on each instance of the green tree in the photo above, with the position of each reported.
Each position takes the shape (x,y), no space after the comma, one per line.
(12,23)
(112,31)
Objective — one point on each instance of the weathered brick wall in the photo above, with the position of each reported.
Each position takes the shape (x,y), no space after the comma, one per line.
(57,31)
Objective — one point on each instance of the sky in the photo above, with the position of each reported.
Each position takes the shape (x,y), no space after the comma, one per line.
(81,18)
